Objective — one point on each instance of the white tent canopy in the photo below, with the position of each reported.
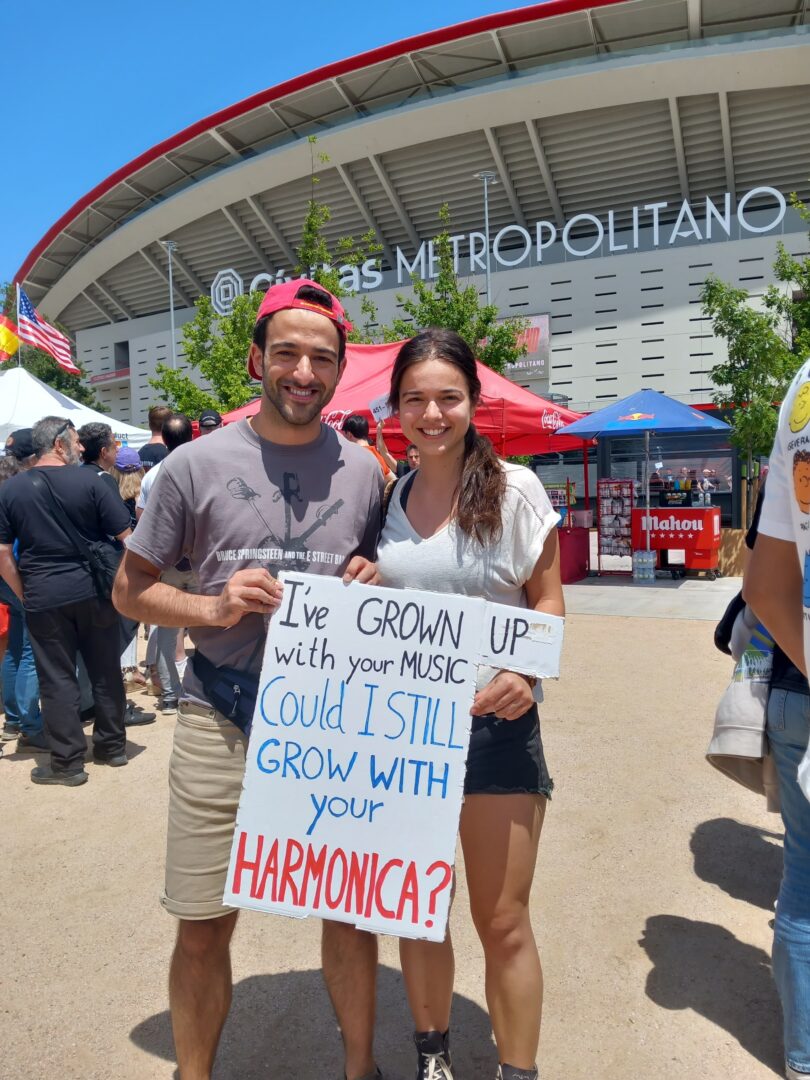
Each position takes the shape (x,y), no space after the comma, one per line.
(24,399)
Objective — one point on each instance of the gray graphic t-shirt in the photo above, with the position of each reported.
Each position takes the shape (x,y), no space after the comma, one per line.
(233,501)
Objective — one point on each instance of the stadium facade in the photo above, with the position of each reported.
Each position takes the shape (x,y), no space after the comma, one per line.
(635,147)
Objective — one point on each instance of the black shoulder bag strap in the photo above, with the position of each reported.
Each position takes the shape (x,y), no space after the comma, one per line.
(100,573)
(60,517)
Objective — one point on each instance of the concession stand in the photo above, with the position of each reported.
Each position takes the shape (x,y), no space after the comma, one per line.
(695,531)
(682,518)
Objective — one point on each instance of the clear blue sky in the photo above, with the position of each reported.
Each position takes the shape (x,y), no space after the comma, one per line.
(104,82)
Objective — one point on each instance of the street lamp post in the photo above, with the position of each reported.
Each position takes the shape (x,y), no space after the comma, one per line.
(487,178)
(171,246)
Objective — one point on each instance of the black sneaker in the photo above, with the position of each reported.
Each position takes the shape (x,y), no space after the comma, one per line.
(10,732)
(433,1054)
(168,703)
(509,1072)
(88,715)
(134,715)
(44,774)
(115,760)
(34,744)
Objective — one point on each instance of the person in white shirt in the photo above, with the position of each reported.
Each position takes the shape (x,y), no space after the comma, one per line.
(165,648)
(467,523)
(777,588)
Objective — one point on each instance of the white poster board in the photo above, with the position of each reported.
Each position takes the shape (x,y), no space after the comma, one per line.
(379,408)
(356,761)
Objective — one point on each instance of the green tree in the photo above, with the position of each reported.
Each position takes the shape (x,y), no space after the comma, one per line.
(217,345)
(449,304)
(43,366)
(766,347)
(326,267)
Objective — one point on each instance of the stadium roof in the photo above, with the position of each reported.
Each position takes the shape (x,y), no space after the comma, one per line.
(576,105)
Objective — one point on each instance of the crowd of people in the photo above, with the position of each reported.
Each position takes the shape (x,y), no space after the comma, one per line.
(69,656)
(189,518)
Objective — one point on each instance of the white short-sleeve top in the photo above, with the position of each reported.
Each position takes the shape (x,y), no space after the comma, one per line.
(451,562)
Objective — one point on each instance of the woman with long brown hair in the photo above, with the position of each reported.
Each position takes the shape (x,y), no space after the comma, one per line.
(467,522)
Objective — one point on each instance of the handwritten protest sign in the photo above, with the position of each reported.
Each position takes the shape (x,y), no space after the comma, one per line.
(355,767)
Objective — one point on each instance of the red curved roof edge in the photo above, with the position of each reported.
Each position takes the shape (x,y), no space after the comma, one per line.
(498,21)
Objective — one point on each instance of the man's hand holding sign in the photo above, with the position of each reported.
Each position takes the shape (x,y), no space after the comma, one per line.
(355,767)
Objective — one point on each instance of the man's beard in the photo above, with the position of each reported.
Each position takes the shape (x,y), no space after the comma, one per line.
(301,415)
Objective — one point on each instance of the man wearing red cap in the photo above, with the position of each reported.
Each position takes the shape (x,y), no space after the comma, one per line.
(280,491)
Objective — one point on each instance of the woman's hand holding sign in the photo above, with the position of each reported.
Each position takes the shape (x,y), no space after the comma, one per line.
(363,571)
(508,695)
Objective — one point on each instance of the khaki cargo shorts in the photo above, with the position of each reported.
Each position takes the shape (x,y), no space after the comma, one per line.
(206,769)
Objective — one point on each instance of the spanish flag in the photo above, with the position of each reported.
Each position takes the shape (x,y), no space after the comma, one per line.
(9,338)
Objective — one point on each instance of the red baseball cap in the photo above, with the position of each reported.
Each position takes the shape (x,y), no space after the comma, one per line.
(284,296)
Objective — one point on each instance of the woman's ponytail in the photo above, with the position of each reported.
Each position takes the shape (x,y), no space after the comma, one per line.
(481,490)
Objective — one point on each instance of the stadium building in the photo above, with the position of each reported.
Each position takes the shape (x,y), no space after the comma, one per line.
(633,147)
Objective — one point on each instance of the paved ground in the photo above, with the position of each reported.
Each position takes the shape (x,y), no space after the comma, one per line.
(652,900)
(664,598)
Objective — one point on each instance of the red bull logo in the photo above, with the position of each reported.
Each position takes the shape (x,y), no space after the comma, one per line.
(638,416)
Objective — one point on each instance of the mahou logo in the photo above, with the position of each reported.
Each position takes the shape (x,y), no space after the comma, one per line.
(551,421)
(671,524)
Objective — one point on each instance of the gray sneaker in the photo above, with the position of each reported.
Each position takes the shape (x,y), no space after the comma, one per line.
(433,1055)
(509,1072)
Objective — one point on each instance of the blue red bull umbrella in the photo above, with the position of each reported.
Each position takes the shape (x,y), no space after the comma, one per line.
(646,410)
(640,414)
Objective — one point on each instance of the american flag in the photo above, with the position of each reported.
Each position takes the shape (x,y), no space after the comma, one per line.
(33,329)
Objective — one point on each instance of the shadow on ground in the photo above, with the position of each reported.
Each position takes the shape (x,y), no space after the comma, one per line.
(741,859)
(703,967)
(283,1025)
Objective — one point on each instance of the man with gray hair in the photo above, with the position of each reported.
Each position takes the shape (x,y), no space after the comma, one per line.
(65,614)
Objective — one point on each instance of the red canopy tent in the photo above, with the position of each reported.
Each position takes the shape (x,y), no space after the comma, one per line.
(517,421)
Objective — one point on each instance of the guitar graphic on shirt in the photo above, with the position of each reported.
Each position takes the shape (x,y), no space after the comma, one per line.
(238,488)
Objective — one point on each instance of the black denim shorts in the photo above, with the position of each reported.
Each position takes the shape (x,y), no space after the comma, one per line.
(506,757)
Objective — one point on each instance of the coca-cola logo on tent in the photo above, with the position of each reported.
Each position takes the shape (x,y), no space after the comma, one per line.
(551,420)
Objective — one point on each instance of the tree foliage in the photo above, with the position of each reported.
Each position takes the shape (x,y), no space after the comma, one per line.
(766,347)
(453,306)
(43,366)
(217,346)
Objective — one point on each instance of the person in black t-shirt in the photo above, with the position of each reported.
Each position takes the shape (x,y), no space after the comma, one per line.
(99,447)
(399,468)
(63,612)
(155,450)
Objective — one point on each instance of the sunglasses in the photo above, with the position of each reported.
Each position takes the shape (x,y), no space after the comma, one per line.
(65,427)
